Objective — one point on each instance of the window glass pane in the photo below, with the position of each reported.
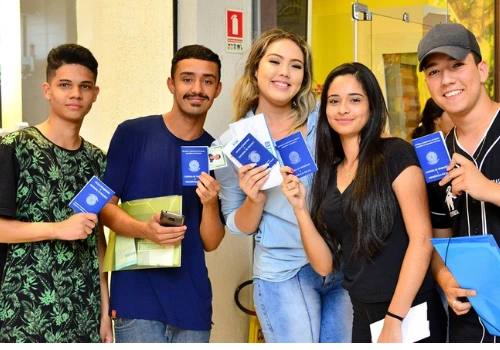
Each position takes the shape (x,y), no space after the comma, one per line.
(44,25)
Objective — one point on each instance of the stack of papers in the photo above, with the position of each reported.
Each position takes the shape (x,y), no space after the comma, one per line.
(252,143)
(126,253)
(257,127)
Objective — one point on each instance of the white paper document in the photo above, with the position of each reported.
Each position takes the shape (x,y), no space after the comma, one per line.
(257,126)
(415,325)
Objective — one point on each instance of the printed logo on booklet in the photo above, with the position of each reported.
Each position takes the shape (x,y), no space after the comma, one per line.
(295,154)
(194,161)
(92,197)
(432,155)
(249,150)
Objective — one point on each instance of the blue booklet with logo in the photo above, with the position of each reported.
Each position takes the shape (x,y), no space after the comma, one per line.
(92,197)
(295,154)
(249,150)
(432,155)
(194,161)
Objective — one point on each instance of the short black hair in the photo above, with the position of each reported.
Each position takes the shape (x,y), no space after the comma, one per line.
(70,54)
(195,51)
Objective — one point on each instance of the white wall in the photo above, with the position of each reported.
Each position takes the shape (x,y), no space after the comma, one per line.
(10,63)
(133,43)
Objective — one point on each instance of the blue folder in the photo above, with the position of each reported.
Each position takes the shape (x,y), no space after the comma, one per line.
(475,263)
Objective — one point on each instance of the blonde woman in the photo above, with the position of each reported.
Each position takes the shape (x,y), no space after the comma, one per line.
(293,302)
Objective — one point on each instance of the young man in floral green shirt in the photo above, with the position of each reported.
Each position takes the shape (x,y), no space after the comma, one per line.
(51,289)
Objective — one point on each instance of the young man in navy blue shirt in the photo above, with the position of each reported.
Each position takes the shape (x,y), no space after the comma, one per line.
(144,161)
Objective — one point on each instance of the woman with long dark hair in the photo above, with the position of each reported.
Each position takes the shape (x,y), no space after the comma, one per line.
(369,209)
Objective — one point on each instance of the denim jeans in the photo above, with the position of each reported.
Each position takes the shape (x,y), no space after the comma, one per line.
(307,308)
(147,331)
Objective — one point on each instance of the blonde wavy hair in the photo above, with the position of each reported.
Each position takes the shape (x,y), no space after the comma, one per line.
(246,90)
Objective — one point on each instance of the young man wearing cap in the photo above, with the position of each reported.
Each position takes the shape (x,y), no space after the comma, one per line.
(455,75)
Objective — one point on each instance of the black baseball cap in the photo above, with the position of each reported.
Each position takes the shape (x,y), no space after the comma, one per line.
(451,39)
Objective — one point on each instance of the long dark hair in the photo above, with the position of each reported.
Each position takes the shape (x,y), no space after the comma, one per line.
(371,206)
(430,113)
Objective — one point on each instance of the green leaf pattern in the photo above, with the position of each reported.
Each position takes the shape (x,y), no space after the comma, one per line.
(50,289)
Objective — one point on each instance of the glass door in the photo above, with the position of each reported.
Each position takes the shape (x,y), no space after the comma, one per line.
(387,41)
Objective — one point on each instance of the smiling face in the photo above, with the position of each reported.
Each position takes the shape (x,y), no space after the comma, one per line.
(347,106)
(455,85)
(195,85)
(280,73)
(71,92)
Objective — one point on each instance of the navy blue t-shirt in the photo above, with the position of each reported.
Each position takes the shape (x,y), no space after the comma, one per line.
(144,161)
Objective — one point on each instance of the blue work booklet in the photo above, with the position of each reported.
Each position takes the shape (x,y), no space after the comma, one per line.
(432,155)
(92,197)
(249,150)
(194,161)
(295,154)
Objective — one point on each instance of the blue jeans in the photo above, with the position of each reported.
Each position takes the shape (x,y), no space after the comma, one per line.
(307,308)
(146,331)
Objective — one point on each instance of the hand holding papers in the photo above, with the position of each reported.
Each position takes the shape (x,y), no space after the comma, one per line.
(256,126)
(292,149)
(414,327)
(249,150)
(432,155)
(474,262)
(125,253)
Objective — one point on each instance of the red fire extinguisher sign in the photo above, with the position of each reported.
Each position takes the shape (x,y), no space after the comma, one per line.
(234,24)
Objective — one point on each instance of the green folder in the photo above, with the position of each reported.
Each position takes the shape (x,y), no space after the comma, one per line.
(126,253)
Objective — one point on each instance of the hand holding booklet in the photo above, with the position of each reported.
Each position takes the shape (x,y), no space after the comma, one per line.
(92,197)
(244,147)
(249,150)
(295,154)
(257,126)
(432,155)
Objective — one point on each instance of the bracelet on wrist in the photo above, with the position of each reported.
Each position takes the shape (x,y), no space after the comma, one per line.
(395,316)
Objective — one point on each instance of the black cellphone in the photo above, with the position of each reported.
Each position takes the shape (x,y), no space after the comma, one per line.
(168,218)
